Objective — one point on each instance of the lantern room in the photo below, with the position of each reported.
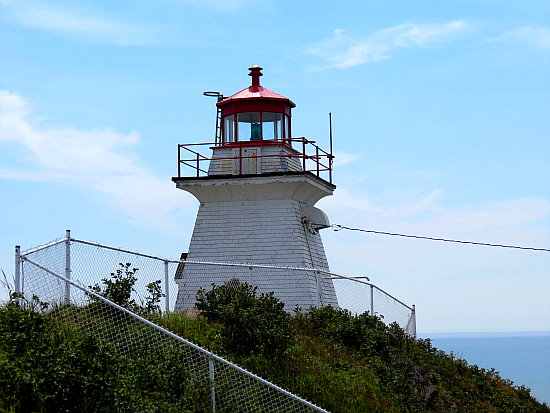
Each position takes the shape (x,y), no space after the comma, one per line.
(255,114)
(253,137)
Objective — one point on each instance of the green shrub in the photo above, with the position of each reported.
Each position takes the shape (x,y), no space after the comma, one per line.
(53,360)
(363,332)
(20,324)
(46,368)
(120,286)
(249,323)
(416,376)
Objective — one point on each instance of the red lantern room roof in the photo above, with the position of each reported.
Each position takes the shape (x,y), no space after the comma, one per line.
(255,92)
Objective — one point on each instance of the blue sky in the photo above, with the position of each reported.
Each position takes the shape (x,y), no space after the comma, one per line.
(441,128)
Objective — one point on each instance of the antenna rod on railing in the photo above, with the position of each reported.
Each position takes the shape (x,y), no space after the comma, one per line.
(304,154)
(330,138)
(330,130)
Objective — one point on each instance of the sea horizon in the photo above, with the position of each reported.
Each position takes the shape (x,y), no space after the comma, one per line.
(477,334)
(520,356)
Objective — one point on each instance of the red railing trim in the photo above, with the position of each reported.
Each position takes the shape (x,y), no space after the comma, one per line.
(316,158)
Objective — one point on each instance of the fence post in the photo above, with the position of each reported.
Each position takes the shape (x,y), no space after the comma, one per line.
(212,382)
(371,299)
(68,266)
(198,166)
(166,288)
(179,161)
(317,158)
(17,272)
(304,153)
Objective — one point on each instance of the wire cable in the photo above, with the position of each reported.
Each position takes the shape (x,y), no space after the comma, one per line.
(337,227)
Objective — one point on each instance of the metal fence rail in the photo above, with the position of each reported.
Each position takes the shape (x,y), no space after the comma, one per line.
(63,272)
(87,263)
(228,387)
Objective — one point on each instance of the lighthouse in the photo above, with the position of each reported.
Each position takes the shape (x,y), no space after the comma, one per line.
(257,191)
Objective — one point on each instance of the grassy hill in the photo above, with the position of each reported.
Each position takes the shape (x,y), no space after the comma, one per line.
(339,361)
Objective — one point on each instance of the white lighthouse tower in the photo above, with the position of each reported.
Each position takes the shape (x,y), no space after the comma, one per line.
(257,195)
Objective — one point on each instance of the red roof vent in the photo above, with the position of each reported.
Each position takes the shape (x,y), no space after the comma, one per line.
(255,92)
(255,72)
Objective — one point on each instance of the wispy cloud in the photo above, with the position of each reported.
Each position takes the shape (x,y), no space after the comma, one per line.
(99,160)
(398,207)
(77,23)
(343,50)
(424,213)
(439,276)
(534,35)
(343,158)
(222,5)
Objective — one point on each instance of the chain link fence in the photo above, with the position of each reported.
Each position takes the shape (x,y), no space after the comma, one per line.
(88,263)
(65,271)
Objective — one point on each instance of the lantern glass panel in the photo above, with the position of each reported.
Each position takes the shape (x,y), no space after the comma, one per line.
(272,125)
(249,126)
(287,127)
(229,128)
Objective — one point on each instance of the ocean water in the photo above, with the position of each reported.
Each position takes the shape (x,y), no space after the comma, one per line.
(525,360)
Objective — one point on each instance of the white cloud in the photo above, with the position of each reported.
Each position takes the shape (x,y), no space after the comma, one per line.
(518,221)
(221,5)
(99,160)
(408,34)
(76,23)
(343,158)
(446,279)
(534,35)
(349,202)
(343,50)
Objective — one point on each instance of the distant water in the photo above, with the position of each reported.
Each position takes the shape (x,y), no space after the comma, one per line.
(523,360)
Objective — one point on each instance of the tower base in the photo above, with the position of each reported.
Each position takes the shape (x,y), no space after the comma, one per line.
(261,219)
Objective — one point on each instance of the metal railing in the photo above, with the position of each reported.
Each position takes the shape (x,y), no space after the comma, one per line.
(312,157)
(87,263)
(230,387)
(64,271)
